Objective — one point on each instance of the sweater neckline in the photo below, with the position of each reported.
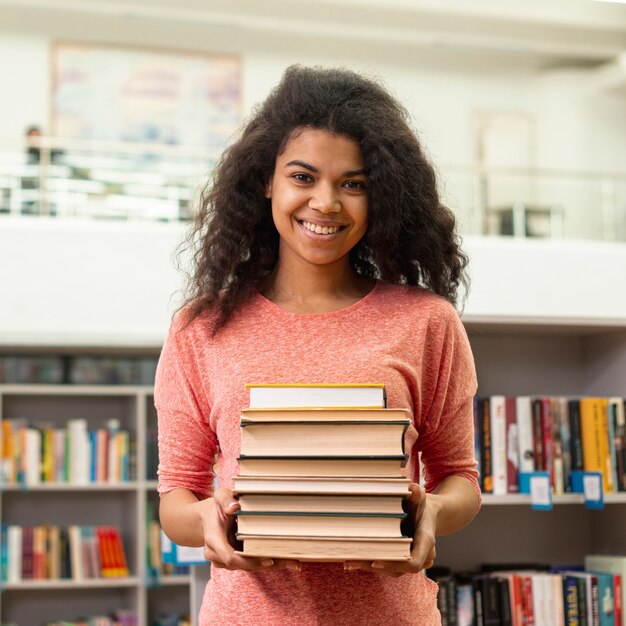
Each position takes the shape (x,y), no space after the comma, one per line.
(277,309)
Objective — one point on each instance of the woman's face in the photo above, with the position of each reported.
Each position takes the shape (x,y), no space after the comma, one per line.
(319,197)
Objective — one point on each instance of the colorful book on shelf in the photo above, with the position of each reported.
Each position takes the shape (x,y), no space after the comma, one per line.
(326,549)
(181,555)
(497,416)
(594,432)
(617,419)
(317,395)
(615,565)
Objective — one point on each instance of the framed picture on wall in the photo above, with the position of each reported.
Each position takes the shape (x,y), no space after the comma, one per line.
(144,95)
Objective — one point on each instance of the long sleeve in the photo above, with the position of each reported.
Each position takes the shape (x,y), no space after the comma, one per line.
(447,436)
(187,444)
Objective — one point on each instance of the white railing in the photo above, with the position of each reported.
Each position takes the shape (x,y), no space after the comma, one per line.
(126,181)
(102,179)
(532,202)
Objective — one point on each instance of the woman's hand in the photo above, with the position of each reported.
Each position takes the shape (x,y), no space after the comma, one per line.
(218,525)
(422,512)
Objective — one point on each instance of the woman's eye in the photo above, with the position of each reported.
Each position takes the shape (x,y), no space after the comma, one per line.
(303,178)
(354,184)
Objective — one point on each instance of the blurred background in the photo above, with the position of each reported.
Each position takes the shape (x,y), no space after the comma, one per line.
(113,114)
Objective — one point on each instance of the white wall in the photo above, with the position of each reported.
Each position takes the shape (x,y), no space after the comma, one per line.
(72,283)
(112,283)
(443,89)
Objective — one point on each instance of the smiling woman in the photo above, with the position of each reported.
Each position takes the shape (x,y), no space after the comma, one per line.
(319,206)
(322,255)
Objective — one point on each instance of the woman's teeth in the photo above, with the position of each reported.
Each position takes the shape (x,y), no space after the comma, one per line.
(320,230)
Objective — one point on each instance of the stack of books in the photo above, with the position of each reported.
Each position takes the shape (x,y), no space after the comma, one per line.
(320,474)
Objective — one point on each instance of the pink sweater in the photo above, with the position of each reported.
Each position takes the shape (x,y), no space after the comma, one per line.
(405,337)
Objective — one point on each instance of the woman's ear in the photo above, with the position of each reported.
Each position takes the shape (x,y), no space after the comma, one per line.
(268,190)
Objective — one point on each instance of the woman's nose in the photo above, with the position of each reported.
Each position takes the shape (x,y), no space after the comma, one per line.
(325,200)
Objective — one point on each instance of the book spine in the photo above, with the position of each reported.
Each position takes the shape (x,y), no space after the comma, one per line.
(616,406)
(27,553)
(15,559)
(618,598)
(570,600)
(605,441)
(559,464)
(595,601)
(583,606)
(538,435)
(478,441)
(497,414)
(525,434)
(512,446)
(592,435)
(486,458)
(565,441)
(547,433)
(576,440)
(611,423)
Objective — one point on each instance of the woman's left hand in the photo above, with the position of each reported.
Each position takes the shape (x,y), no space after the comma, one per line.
(422,510)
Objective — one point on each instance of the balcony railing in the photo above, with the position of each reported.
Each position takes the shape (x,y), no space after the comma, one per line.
(79,179)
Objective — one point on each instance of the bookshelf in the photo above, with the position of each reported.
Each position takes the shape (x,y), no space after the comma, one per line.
(551,357)
(122,504)
(514,356)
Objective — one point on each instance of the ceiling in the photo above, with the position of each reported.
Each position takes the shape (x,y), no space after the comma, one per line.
(581,32)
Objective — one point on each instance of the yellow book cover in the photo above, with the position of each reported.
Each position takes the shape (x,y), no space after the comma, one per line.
(594,439)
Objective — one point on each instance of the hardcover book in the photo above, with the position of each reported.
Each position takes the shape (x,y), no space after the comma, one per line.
(317,395)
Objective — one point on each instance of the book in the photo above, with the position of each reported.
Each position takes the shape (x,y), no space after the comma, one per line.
(317,395)
(523,409)
(610,564)
(512,446)
(310,485)
(617,417)
(497,415)
(326,549)
(593,415)
(538,451)
(321,414)
(337,503)
(576,441)
(388,466)
(310,437)
(485,453)
(298,524)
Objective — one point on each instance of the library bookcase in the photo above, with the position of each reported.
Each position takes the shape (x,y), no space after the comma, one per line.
(551,357)
(123,504)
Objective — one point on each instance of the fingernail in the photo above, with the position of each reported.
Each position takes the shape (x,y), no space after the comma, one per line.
(267,562)
(348,567)
(232,505)
(378,566)
(295,567)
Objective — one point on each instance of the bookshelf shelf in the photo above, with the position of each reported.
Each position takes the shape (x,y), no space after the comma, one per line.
(512,499)
(131,486)
(94,583)
(172,581)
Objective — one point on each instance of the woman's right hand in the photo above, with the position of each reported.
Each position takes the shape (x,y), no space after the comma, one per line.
(218,525)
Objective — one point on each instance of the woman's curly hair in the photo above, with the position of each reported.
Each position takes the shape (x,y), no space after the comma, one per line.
(411,237)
